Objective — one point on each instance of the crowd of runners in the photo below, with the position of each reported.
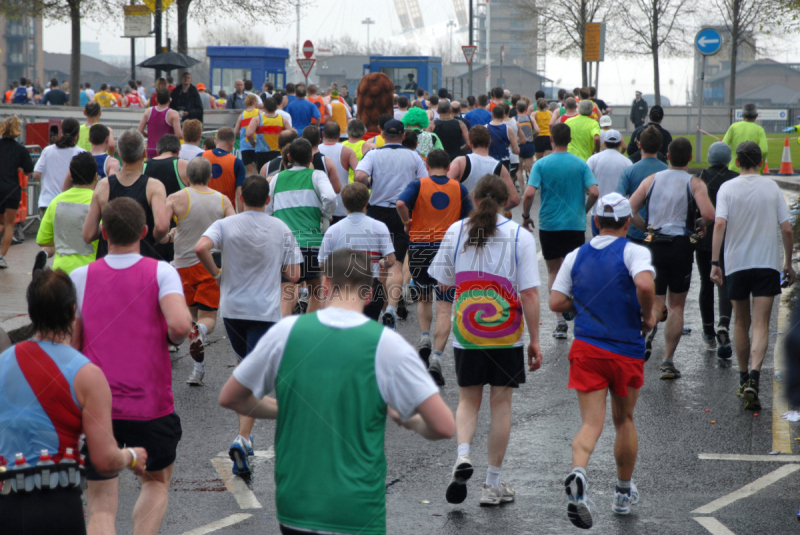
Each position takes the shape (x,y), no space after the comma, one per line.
(299,228)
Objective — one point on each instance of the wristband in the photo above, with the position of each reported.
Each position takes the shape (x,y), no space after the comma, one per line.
(133,457)
(526,217)
(715,263)
(218,275)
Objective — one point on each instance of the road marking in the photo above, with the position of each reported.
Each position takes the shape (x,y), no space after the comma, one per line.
(747,490)
(219,524)
(263,454)
(235,485)
(781,430)
(751,458)
(714,526)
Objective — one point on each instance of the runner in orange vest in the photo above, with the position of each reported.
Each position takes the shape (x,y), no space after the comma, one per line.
(227,171)
(319,102)
(339,111)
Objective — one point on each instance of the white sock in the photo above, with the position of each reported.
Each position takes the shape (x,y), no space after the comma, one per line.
(463,449)
(493,476)
(200,366)
(426,334)
(561,320)
(391,309)
(581,470)
(202,327)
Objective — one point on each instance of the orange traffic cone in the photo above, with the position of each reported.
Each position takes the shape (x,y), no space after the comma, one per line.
(786,160)
(765,171)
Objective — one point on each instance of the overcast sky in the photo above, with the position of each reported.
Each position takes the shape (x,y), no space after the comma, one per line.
(619,77)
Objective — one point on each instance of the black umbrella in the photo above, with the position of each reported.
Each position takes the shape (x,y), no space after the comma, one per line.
(168,61)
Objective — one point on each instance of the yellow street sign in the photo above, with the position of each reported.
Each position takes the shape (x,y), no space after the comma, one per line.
(152,4)
(594,45)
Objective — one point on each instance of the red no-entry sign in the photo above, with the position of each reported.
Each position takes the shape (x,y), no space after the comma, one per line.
(308,49)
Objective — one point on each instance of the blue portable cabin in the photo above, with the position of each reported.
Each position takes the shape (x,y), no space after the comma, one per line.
(256,63)
(427,71)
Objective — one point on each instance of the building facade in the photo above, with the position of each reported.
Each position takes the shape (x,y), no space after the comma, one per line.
(512,37)
(21,52)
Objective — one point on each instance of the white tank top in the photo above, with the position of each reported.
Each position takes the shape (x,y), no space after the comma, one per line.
(334,152)
(479,166)
(204,209)
(668,202)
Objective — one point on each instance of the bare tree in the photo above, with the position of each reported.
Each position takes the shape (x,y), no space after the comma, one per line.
(654,28)
(72,10)
(566,22)
(229,35)
(741,18)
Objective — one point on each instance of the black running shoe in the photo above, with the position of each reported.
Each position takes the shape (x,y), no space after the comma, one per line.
(402,309)
(750,395)
(664,314)
(435,369)
(648,342)
(389,320)
(724,350)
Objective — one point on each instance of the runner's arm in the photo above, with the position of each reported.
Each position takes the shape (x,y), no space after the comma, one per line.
(176,123)
(591,197)
(637,201)
(240,399)
(433,420)
(291,272)
(530,309)
(182,166)
(464,133)
(91,227)
(203,252)
(179,320)
(67,182)
(158,204)
(94,396)
(143,122)
(333,175)
(457,169)
(112,166)
(527,203)
(513,194)
(646,294)
(349,160)
(597,144)
(512,138)
(228,208)
(700,193)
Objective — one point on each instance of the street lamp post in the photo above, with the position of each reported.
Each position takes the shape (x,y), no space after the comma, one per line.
(451,25)
(368,21)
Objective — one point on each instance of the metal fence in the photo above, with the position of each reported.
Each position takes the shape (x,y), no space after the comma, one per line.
(683,120)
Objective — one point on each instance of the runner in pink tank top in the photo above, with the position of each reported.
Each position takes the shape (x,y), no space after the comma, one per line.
(157,127)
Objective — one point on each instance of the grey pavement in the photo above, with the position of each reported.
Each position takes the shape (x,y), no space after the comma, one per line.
(672,419)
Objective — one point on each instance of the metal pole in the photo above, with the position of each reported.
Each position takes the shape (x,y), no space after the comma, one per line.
(297,42)
(471,38)
(133,55)
(488,48)
(698,140)
(158,34)
(597,75)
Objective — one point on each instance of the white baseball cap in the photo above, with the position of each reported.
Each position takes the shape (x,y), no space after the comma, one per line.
(612,136)
(616,204)
(605,120)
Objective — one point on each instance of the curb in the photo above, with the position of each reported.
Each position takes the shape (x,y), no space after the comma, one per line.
(787,182)
(18,329)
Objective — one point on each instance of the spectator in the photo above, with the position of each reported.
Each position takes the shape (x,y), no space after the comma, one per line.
(656,116)
(746,130)
(638,110)
(186,99)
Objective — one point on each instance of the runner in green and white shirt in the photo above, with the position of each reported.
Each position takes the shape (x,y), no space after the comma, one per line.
(330,467)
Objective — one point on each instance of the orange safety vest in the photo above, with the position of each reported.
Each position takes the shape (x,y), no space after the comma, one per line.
(339,114)
(8,95)
(320,104)
(223,177)
(437,207)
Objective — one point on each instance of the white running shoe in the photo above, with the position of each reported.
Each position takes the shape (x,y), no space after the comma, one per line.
(503,493)
(578,506)
(457,489)
(196,378)
(622,502)
(634,494)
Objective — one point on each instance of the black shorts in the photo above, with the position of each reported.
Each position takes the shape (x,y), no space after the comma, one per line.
(374,308)
(527,150)
(542,143)
(419,260)
(247,156)
(158,437)
(335,219)
(758,282)
(263,158)
(672,261)
(496,367)
(245,334)
(309,269)
(43,512)
(9,200)
(558,243)
(390,217)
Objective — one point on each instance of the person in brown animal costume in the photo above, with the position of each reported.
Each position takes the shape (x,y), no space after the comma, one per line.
(375,97)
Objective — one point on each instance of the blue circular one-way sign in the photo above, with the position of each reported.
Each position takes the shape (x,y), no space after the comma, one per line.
(708,41)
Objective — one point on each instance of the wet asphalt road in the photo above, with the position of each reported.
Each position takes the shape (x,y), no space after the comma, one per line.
(671,417)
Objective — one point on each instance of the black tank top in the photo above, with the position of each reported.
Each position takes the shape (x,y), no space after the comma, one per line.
(138,192)
(166,171)
(450,135)
(319,162)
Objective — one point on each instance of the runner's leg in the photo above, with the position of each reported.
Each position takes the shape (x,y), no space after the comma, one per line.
(593,416)
(425,311)
(500,428)
(151,507)
(469,403)
(674,327)
(103,502)
(8,230)
(443,325)
(288,298)
(741,333)
(207,318)
(762,308)
(626,446)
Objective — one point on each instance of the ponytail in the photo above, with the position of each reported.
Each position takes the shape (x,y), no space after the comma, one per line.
(490,194)
(70,129)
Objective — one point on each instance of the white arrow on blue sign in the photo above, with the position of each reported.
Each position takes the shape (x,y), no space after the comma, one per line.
(708,41)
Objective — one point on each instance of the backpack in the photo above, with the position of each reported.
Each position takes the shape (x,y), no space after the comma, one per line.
(526,131)
(21,95)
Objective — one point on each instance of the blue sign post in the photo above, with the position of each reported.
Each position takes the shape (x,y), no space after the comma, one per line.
(708,41)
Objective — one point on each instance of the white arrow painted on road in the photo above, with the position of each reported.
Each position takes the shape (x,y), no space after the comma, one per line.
(703,41)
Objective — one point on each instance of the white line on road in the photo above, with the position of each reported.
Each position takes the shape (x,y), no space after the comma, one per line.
(714,526)
(750,458)
(244,496)
(747,490)
(262,454)
(219,524)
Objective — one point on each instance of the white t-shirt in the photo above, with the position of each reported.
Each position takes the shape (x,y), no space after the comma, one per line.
(189,151)
(394,167)
(362,233)
(753,206)
(89,93)
(169,281)
(636,258)
(287,119)
(54,166)
(398,114)
(607,167)
(255,246)
(403,381)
